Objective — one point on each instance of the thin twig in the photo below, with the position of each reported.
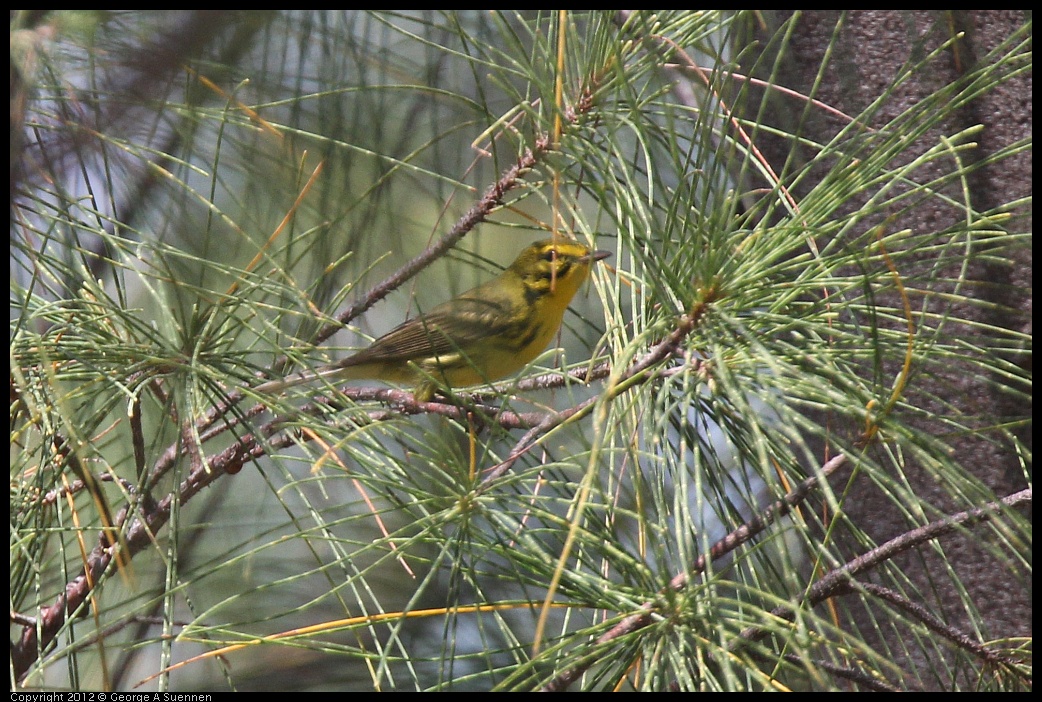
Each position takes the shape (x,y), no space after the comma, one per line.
(842,580)
(726,545)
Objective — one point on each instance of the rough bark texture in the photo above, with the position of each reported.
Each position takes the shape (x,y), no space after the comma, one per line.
(871,50)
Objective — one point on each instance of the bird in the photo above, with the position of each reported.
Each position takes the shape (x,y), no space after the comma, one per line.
(484,334)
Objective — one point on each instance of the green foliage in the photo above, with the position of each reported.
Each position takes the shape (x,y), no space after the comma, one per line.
(200,199)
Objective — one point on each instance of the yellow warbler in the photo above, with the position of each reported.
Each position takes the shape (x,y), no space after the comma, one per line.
(484,334)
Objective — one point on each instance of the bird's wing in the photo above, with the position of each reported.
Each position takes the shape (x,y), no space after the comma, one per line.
(444,330)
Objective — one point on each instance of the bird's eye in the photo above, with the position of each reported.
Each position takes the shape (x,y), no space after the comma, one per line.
(548,255)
